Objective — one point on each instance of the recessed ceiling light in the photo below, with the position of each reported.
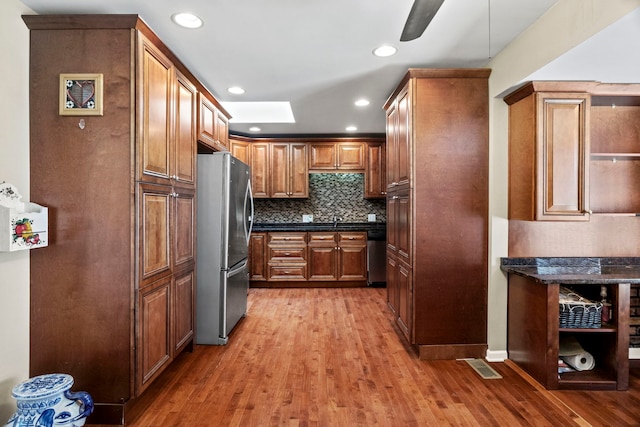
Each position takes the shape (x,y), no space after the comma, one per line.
(362,102)
(351,128)
(384,50)
(254,129)
(236,90)
(187,20)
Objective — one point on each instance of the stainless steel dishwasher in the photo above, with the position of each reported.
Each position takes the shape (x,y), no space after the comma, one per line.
(376,257)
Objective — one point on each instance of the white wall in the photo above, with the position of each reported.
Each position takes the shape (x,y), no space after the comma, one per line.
(14,168)
(562,28)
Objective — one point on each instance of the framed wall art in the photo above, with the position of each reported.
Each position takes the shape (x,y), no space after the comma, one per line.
(80,95)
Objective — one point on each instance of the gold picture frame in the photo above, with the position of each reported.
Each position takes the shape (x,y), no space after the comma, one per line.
(81,95)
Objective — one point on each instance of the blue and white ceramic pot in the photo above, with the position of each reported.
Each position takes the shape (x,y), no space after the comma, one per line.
(46,401)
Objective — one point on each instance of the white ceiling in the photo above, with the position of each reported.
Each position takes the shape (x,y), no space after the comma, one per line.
(317,55)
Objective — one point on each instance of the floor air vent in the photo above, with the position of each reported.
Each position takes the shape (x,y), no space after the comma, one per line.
(483,369)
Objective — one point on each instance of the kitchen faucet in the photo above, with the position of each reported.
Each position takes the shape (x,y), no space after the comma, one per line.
(336,218)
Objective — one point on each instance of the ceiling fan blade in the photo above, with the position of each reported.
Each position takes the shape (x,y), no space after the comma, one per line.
(421,14)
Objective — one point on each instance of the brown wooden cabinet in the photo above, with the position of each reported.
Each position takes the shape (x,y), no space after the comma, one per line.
(278,169)
(323,256)
(337,156)
(260,161)
(375,176)
(315,258)
(258,257)
(574,150)
(548,155)
(533,340)
(122,253)
(398,141)
(213,125)
(437,203)
(352,255)
(241,150)
(338,256)
(289,177)
(287,256)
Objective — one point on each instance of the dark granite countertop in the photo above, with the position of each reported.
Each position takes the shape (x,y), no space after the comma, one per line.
(320,226)
(575,270)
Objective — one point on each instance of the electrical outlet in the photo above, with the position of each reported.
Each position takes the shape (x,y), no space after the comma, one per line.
(307,218)
(371,217)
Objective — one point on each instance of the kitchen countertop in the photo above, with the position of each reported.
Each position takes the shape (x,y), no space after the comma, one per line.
(575,270)
(320,226)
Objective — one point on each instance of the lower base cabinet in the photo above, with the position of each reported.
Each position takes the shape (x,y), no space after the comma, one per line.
(312,259)
(534,336)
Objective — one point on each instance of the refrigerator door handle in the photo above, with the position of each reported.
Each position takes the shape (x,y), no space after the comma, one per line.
(237,269)
(248,196)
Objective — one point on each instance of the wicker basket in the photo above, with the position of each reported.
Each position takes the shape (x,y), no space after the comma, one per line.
(578,312)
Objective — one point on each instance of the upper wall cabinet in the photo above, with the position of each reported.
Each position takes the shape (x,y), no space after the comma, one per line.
(280,167)
(574,150)
(213,125)
(336,156)
(548,150)
(614,165)
(375,175)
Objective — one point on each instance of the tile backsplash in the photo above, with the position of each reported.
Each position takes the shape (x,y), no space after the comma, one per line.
(330,194)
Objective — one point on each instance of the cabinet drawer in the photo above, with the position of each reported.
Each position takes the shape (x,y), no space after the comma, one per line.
(287,271)
(287,254)
(358,237)
(288,238)
(319,238)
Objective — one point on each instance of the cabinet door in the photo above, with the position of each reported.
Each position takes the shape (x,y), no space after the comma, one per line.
(258,257)
(562,157)
(323,256)
(154,124)
(154,331)
(403,155)
(241,150)
(279,170)
(154,204)
(392,223)
(183,309)
(375,181)
(222,130)
(260,170)
(350,155)
(392,147)
(405,300)
(298,171)
(403,226)
(392,283)
(183,226)
(183,162)
(322,156)
(352,254)
(206,121)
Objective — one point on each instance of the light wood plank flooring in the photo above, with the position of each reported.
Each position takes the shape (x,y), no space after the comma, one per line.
(333,357)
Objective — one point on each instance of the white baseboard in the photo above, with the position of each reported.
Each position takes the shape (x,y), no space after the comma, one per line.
(634,353)
(499,356)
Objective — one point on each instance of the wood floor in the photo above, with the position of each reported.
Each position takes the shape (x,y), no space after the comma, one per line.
(333,357)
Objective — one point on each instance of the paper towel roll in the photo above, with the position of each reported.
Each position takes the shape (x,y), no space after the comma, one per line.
(580,362)
(572,353)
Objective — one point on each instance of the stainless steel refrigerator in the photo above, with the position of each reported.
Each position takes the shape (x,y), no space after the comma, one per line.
(225,212)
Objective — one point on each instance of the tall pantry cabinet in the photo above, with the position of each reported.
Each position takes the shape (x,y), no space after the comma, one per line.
(437,210)
(112,296)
